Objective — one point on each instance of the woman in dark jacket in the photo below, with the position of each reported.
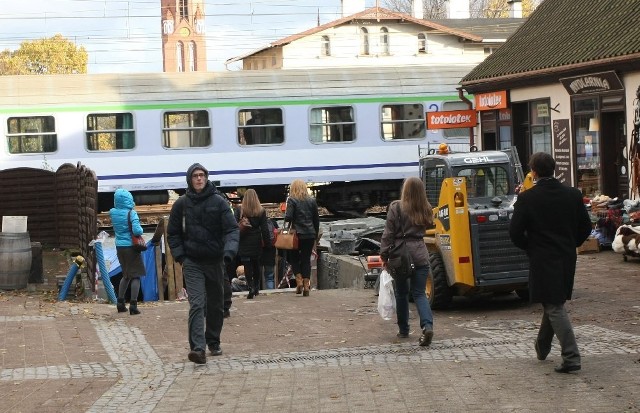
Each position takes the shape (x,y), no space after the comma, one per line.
(409,218)
(302,214)
(124,220)
(252,239)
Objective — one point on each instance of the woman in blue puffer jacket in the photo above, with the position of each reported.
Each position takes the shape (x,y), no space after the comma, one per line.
(130,260)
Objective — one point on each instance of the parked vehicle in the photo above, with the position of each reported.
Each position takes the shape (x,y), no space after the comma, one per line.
(473,194)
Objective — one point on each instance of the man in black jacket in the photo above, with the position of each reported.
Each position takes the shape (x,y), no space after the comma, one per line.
(203,236)
(549,222)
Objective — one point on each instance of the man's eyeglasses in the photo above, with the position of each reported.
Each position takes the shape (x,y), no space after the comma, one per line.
(197,176)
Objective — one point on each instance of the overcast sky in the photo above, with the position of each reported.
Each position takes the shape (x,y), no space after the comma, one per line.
(124,35)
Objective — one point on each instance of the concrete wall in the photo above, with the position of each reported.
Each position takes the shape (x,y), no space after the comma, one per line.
(340,271)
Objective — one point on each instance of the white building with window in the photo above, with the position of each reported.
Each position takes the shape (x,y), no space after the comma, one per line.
(381,37)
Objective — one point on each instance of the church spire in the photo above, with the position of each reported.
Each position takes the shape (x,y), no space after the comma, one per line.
(183,35)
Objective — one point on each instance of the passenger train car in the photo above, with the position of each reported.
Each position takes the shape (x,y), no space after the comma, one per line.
(353,133)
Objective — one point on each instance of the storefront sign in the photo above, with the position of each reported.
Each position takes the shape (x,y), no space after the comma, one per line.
(491,101)
(504,114)
(592,83)
(562,150)
(452,119)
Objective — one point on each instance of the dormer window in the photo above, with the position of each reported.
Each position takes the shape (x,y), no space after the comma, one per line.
(384,41)
(364,41)
(422,43)
(325,46)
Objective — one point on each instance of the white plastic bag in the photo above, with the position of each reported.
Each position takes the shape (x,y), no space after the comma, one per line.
(386,298)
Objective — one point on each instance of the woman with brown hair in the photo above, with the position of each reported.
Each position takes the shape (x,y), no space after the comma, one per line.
(302,215)
(408,219)
(254,233)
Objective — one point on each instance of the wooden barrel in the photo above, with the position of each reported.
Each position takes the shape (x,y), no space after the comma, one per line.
(15,260)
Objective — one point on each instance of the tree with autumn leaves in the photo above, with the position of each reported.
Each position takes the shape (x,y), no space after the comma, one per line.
(437,9)
(54,55)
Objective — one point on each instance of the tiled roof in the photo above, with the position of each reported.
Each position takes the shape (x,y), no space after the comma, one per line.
(561,34)
(488,29)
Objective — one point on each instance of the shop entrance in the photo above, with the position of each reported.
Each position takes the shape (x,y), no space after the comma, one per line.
(613,146)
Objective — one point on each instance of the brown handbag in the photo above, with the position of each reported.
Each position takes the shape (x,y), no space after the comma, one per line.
(286,239)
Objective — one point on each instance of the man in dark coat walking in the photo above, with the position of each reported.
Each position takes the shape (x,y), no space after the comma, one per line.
(203,236)
(549,222)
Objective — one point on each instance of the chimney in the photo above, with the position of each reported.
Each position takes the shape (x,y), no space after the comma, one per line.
(515,9)
(350,7)
(458,9)
(417,9)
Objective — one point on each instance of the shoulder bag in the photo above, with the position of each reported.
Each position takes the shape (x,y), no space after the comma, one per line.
(138,242)
(400,263)
(286,239)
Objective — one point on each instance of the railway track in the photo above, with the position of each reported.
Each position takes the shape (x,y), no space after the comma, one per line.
(150,215)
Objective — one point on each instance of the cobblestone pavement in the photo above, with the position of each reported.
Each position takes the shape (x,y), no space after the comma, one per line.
(330,352)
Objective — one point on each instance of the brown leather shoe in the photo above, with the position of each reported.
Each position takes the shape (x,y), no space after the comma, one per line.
(198,356)
(306,287)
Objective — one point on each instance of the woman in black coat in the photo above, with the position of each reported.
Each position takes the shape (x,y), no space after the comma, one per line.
(253,236)
(302,214)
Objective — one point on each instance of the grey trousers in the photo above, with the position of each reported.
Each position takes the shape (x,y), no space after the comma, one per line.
(205,287)
(555,320)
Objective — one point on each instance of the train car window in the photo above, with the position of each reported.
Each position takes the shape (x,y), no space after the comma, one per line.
(110,131)
(405,121)
(262,126)
(455,132)
(186,129)
(32,134)
(332,124)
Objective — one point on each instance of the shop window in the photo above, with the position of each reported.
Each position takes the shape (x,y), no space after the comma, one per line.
(260,126)
(403,121)
(586,128)
(540,124)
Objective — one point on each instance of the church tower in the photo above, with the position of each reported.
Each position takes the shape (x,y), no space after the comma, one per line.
(183,36)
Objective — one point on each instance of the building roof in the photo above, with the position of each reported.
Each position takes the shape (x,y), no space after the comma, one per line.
(561,36)
(488,29)
(374,13)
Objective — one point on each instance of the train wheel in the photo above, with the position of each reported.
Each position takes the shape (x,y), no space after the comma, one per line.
(438,291)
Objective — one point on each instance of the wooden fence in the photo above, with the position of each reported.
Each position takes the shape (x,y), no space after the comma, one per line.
(60,206)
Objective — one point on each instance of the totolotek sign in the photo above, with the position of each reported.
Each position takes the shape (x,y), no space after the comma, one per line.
(452,119)
(491,100)
(592,83)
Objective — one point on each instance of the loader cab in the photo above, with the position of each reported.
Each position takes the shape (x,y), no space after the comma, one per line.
(487,174)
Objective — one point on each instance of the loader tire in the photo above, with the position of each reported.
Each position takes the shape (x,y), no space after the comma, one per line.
(438,291)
